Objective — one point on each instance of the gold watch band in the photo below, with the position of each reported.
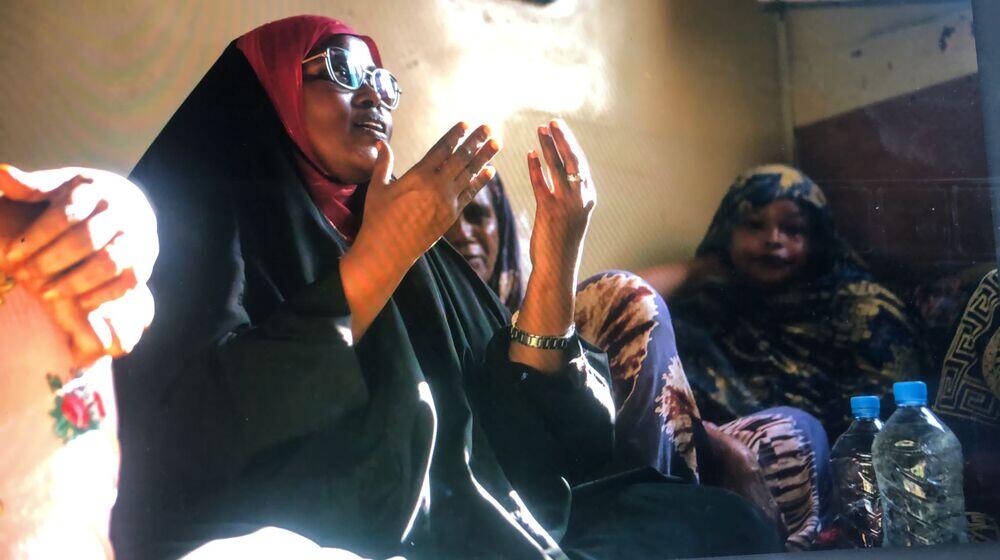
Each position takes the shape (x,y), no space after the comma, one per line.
(542,342)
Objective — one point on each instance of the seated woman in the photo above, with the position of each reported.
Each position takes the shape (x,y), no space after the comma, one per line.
(327,367)
(775,458)
(776,309)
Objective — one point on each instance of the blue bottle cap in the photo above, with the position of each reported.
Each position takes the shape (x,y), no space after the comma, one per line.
(910,393)
(865,406)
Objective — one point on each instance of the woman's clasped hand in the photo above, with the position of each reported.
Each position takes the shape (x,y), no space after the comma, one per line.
(87,250)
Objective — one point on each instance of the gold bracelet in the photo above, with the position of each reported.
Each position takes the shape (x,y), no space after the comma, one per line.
(542,342)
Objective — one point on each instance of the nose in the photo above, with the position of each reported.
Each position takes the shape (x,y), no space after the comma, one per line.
(365,96)
(773,237)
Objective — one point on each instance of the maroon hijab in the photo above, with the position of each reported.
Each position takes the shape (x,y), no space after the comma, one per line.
(275,51)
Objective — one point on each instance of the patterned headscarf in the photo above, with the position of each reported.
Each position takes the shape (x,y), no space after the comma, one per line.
(762,185)
(832,333)
(507,279)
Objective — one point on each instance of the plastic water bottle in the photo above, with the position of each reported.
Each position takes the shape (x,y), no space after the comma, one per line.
(855,490)
(918,463)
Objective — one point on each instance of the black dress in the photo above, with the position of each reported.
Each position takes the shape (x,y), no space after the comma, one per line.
(246,405)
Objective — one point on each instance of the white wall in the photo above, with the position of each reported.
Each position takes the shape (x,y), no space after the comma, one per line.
(846,58)
(671,98)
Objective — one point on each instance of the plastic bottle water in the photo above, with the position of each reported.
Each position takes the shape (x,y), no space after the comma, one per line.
(855,491)
(918,463)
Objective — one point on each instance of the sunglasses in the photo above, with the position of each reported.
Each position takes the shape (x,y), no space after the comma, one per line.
(350,75)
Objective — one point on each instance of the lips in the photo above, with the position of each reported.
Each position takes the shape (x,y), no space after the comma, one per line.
(373,124)
(771,261)
(471,253)
(473,256)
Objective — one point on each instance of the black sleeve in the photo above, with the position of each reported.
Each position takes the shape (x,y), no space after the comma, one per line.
(276,410)
(246,387)
(549,425)
(268,384)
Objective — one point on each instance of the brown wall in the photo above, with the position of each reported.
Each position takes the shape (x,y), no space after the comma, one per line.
(887,119)
(906,179)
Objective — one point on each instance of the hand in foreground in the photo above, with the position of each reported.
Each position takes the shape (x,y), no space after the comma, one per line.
(87,254)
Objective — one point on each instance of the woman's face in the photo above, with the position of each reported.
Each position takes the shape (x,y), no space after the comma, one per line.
(343,126)
(475,235)
(770,247)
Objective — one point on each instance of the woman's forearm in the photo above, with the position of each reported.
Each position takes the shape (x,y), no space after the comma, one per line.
(667,278)
(674,278)
(547,310)
(370,273)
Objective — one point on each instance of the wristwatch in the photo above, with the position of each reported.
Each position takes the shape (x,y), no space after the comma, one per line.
(542,342)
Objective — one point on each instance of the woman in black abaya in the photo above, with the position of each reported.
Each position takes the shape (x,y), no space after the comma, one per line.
(353,380)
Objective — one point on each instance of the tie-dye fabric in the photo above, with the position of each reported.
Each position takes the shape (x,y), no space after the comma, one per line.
(833,334)
(658,419)
(621,314)
(793,453)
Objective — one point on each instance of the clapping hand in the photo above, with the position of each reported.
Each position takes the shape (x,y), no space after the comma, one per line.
(564,204)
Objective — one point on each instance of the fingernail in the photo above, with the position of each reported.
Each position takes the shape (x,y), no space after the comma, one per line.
(554,123)
(487,129)
(543,130)
(494,145)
